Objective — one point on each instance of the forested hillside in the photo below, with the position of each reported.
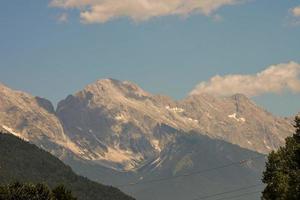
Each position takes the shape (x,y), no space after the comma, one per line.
(24,162)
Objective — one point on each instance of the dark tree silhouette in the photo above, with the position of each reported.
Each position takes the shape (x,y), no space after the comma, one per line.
(29,191)
(282,174)
(61,193)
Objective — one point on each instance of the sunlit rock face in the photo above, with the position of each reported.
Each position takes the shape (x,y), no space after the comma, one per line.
(238,120)
(118,125)
(111,116)
(32,119)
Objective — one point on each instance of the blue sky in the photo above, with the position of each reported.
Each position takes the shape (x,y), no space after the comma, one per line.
(167,54)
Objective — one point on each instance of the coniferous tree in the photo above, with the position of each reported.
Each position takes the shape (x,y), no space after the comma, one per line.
(28,191)
(282,174)
(61,193)
(25,192)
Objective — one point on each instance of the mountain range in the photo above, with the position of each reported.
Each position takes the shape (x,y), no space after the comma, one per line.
(116,133)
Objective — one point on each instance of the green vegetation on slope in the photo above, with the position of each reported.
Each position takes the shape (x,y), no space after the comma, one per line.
(30,191)
(282,174)
(21,161)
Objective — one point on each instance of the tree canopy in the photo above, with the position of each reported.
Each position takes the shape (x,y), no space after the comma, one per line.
(29,191)
(282,174)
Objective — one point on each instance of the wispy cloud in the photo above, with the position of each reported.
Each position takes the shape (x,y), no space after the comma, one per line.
(100,11)
(296,11)
(295,16)
(274,79)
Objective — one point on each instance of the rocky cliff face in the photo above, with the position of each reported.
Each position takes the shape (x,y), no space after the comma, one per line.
(118,125)
(29,118)
(237,120)
(111,116)
(115,133)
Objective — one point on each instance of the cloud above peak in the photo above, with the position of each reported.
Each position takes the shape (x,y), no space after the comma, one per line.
(101,11)
(274,79)
(296,11)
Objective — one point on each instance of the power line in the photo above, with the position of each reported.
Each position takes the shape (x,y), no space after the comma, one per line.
(192,173)
(240,195)
(229,191)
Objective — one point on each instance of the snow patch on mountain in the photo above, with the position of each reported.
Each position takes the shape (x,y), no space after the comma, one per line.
(208,115)
(192,120)
(155,144)
(234,116)
(267,146)
(157,163)
(121,118)
(127,158)
(175,109)
(68,144)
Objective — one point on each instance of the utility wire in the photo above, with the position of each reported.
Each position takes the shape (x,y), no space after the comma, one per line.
(192,173)
(229,191)
(240,195)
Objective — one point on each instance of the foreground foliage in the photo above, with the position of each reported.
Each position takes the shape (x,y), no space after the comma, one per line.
(282,174)
(28,191)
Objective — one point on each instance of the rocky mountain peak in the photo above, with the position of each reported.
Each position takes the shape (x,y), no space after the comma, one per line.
(32,119)
(2,86)
(46,104)
(113,128)
(114,123)
(116,88)
(240,97)
(7,91)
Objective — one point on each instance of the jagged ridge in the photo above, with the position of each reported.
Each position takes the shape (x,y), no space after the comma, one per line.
(112,122)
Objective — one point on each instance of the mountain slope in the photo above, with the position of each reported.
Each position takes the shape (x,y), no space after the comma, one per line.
(114,122)
(33,119)
(186,154)
(21,161)
(111,123)
(115,133)
(238,120)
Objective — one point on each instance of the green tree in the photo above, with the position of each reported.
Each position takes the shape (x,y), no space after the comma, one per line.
(61,193)
(28,191)
(25,192)
(282,174)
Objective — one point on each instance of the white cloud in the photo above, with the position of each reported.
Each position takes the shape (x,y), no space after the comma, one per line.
(296,11)
(100,11)
(274,79)
(295,16)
